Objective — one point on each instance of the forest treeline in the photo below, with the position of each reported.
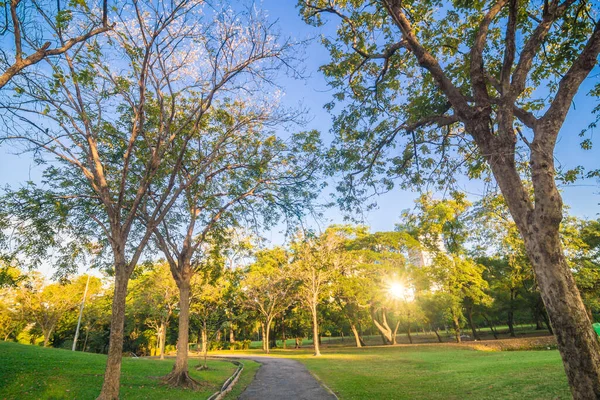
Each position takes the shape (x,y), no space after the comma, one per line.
(449,266)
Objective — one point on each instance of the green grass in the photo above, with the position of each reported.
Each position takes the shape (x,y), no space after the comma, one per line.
(436,372)
(31,372)
(418,337)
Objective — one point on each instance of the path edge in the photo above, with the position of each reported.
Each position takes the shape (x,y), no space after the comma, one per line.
(230,382)
(322,383)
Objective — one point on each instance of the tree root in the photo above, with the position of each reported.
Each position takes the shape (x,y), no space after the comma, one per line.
(181,379)
(202,367)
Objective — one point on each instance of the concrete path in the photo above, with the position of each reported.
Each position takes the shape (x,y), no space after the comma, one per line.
(280,379)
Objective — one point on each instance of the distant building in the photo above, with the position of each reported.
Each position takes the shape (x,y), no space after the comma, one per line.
(421,257)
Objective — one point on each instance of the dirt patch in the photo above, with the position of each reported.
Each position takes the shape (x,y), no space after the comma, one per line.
(529,343)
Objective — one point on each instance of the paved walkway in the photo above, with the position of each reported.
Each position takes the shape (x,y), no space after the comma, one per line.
(281,378)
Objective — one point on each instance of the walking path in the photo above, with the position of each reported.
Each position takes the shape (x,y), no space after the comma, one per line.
(282,378)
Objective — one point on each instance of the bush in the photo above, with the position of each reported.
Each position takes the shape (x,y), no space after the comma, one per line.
(214,345)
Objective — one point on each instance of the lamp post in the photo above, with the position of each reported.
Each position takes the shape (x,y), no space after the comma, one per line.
(87,284)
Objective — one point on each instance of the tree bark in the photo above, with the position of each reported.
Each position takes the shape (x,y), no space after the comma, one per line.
(283,339)
(491,325)
(472,324)
(315,320)
(162,336)
(395,333)
(47,334)
(112,374)
(437,333)
(577,342)
(267,333)
(539,226)
(383,327)
(511,323)
(263,334)
(357,338)
(179,376)
(456,323)
(204,338)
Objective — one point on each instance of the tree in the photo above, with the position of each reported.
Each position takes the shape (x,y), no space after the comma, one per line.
(46,304)
(111,115)
(508,270)
(455,85)
(435,306)
(440,227)
(267,287)
(155,296)
(11,316)
(378,264)
(207,307)
(582,242)
(317,261)
(70,25)
(247,178)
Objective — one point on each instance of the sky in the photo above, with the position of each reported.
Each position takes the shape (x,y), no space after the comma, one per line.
(312,92)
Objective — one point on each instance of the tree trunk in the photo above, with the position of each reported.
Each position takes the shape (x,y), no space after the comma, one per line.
(491,325)
(547,322)
(179,376)
(408,333)
(539,325)
(47,334)
(472,324)
(263,334)
(267,334)
(395,333)
(437,333)
(283,339)
(577,342)
(383,327)
(112,375)
(539,225)
(359,342)
(511,313)
(511,323)
(199,341)
(162,337)
(315,321)
(456,327)
(204,337)
(231,335)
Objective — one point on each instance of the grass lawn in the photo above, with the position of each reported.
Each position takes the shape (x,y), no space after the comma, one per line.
(436,372)
(417,337)
(32,372)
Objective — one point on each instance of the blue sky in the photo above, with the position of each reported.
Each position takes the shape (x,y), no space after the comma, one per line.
(582,198)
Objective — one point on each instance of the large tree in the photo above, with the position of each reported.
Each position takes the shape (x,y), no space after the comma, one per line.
(429,87)
(108,116)
(247,178)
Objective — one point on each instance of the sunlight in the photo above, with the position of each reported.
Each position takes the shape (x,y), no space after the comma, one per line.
(400,291)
